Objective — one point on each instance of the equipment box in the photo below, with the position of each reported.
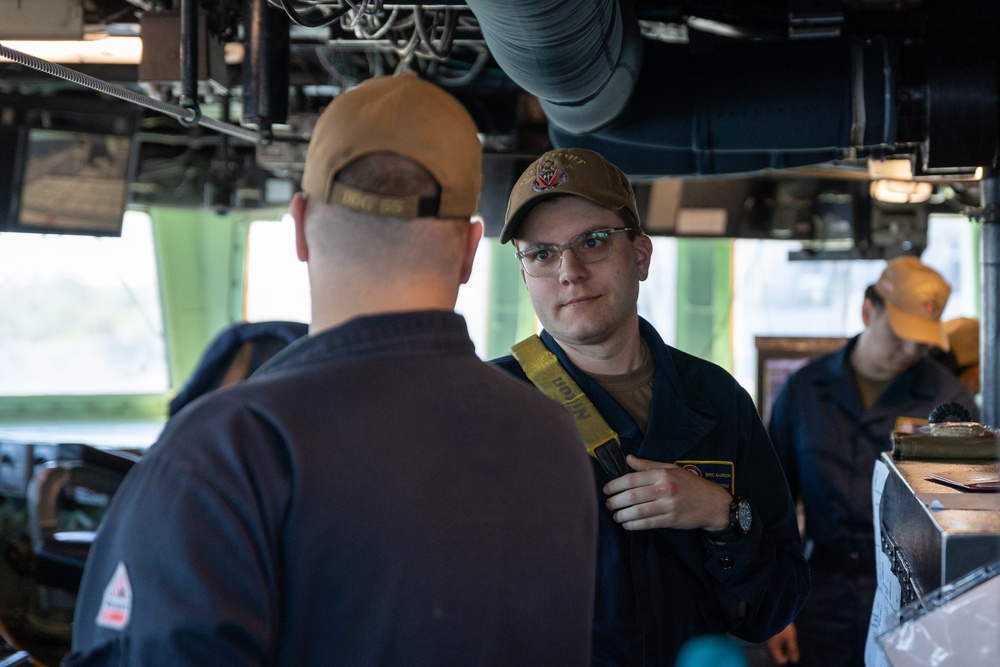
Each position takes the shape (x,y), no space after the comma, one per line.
(934,534)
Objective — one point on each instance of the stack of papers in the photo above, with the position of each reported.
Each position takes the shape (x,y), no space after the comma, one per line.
(968,481)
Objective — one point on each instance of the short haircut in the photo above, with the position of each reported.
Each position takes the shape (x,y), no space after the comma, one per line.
(872,295)
(389,242)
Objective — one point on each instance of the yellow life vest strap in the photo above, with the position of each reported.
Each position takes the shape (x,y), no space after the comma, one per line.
(545,372)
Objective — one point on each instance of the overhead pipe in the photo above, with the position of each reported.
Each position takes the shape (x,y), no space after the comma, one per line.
(265,65)
(189,57)
(580,58)
(739,106)
(718,106)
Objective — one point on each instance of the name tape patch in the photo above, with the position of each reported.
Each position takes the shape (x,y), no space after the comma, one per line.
(720,472)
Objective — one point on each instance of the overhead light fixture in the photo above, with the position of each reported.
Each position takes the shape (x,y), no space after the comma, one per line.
(901,192)
(105,50)
(901,169)
(897,170)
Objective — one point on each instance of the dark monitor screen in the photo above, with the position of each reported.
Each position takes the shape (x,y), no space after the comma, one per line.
(72,174)
(74,182)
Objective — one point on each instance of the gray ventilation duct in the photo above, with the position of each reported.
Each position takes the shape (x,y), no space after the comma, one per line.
(580,58)
(717,105)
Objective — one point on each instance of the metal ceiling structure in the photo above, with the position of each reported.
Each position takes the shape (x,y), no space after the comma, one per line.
(811,90)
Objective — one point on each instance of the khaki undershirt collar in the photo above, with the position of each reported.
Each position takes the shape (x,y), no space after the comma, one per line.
(870,389)
(633,390)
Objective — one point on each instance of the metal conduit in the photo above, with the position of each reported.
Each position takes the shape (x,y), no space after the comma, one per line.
(189,56)
(990,277)
(187,117)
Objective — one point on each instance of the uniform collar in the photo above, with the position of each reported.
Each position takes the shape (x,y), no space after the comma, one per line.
(678,419)
(417,331)
(906,389)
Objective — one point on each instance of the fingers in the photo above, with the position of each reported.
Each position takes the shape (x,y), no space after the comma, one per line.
(644,517)
(648,499)
(657,513)
(784,646)
(663,495)
(776,649)
(636,479)
(643,504)
(793,646)
(638,464)
(640,487)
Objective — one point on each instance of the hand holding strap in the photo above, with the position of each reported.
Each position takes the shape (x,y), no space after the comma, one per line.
(544,370)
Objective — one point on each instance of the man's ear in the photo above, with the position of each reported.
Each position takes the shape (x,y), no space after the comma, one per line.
(298,211)
(473,236)
(643,253)
(867,309)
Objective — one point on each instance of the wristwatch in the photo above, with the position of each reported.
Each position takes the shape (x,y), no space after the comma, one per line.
(740,519)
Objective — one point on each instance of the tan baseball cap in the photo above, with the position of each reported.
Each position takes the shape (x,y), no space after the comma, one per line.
(569,171)
(914,295)
(963,336)
(406,116)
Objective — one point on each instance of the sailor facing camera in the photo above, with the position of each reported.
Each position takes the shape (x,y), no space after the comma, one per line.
(697,528)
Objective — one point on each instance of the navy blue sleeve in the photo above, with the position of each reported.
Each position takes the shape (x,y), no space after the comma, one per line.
(763,577)
(781,431)
(182,570)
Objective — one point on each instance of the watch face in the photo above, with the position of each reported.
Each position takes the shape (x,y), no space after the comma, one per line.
(744,516)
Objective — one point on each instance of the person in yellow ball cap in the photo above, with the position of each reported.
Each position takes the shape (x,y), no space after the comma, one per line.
(830,422)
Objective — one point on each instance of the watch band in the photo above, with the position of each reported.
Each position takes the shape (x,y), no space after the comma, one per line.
(734,530)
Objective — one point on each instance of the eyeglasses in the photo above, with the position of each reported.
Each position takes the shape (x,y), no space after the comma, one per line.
(546,259)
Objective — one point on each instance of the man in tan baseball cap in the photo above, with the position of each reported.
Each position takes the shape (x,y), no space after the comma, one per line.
(573,221)
(571,171)
(830,423)
(375,493)
(392,150)
(914,296)
(407,117)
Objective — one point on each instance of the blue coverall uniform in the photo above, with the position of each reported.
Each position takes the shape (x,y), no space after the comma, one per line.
(658,588)
(828,444)
(324,512)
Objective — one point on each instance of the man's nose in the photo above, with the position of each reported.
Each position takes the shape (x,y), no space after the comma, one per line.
(570,268)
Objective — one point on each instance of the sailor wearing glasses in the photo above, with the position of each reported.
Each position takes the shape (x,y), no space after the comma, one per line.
(680,554)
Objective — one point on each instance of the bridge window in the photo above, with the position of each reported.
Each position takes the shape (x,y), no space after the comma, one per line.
(277,284)
(773,296)
(80,315)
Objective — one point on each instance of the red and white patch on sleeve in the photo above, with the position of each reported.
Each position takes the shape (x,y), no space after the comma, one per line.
(116,606)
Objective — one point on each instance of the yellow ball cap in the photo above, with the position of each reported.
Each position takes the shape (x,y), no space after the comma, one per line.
(915,296)
(406,116)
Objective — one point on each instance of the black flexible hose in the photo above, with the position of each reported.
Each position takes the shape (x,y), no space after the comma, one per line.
(949,412)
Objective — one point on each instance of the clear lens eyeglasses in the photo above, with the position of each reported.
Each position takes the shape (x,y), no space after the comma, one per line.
(546,259)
